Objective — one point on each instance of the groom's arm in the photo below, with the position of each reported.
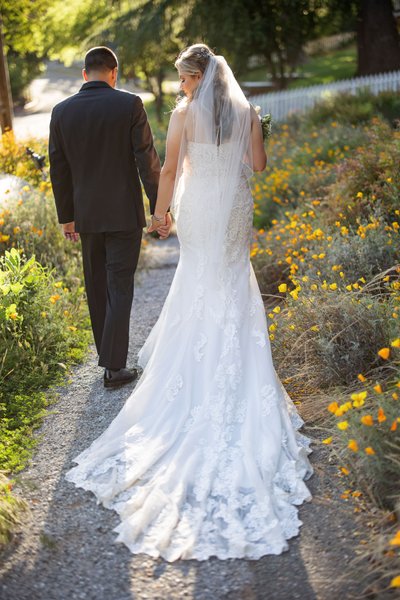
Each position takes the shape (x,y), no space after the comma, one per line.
(60,175)
(146,156)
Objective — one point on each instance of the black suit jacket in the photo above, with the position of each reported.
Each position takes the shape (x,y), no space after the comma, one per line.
(100,141)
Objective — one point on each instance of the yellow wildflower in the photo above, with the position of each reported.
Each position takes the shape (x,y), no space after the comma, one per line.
(352,445)
(327,440)
(367,420)
(381,415)
(395,583)
(343,425)
(370,451)
(384,353)
(395,343)
(395,541)
(359,396)
(282,288)
(361,377)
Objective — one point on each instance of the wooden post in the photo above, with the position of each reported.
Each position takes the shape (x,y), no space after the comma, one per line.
(6,105)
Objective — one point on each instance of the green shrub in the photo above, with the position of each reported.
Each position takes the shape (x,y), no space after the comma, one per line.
(11,507)
(327,338)
(14,159)
(41,323)
(353,109)
(327,256)
(366,430)
(23,70)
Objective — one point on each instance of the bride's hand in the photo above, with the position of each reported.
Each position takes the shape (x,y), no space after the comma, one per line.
(164,230)
(162,227)
(156,223)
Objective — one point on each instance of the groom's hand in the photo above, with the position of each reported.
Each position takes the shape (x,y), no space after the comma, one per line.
(164,230)
(69,231)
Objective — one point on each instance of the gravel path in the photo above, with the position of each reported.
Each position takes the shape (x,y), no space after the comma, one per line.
(66,549)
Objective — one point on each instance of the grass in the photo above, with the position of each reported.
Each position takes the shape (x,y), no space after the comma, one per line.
(318,69)
(327,68)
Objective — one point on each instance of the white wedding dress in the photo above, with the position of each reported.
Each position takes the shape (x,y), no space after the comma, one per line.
(205,458)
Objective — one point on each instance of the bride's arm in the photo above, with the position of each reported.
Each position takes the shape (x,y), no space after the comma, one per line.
(168,171)
(257,143)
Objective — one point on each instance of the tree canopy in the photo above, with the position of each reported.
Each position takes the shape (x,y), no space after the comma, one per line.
(148,34)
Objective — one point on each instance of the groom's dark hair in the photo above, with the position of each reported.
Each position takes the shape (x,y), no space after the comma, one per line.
(100,58)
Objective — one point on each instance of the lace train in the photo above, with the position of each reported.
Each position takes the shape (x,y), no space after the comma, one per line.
(205,458)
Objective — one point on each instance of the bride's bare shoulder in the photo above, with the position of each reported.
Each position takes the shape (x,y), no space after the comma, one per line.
(179,112)
(177,119)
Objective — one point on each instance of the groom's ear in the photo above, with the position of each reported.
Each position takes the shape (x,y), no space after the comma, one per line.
(84,75)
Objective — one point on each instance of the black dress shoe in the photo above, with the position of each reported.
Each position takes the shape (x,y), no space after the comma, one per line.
(115,378)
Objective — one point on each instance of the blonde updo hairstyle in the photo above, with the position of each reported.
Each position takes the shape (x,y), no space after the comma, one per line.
(194,60)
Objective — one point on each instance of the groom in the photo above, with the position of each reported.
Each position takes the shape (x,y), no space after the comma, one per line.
(100,143)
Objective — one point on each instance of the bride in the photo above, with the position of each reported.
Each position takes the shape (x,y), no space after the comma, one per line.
(205,459)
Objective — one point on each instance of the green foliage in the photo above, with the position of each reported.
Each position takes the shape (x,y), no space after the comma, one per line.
(326,67)
(15,161)
(350,165)
(355,109)
(29,221)
(41,321)
(24,28)
(327,337)
(11,507)
(377,473)
(327,250)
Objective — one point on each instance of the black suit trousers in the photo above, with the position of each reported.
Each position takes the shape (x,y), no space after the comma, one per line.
(109,264)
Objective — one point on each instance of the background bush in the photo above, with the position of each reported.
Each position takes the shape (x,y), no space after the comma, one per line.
(44,326)
(326,253)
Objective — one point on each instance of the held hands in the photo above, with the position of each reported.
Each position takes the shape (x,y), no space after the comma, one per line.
(162,227)
(69,231)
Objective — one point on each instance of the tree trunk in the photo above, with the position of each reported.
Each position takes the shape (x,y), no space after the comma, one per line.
(378,42)
(6,107)
(160,96)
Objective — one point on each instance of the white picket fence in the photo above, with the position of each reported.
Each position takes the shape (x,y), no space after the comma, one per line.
(282,104)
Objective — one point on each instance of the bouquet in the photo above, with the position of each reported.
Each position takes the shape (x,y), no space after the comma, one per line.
(266,121)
